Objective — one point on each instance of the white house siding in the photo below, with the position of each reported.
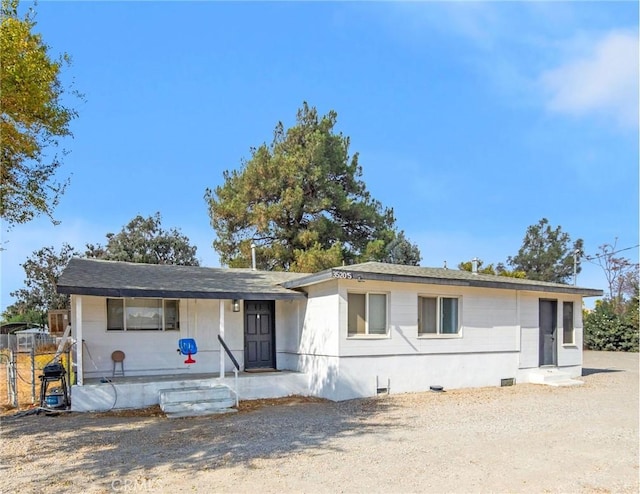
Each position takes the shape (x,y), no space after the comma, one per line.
(317,352)
(359,376)
(529,332)
(488,321)
(486,351)
(199,320)
(498,340)
(569,356)
(155,352)
(143,354)
(233,333)
(289,318)
(499,336)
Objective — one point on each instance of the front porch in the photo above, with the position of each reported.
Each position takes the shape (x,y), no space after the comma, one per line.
(96,395)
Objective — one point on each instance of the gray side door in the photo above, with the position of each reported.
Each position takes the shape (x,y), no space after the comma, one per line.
(548,332)
(259,335)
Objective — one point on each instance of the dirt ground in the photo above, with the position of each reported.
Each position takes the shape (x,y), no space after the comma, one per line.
(525,438)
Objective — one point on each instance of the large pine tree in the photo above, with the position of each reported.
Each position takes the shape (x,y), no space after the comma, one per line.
(302,202)
(547,254)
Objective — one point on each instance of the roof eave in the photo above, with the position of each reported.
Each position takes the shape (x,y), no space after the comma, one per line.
(312,279)
(178,294)
(480,283)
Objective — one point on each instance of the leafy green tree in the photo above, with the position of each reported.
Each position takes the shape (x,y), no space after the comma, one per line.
(39,295)
(547,254)
(604,329)
(144,240)
(401,251)
(33,119)
(302,203)
(499,270)
(19,312)
(632,314)
(614,323)
(621,275)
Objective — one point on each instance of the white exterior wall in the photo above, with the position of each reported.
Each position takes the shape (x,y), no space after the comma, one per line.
(498,336)
(485,351)
(359,376)
(289,317)
(155,352)
(488,321)
(529,331)
(569,355)
(233,333)
(498,339)
(318,349)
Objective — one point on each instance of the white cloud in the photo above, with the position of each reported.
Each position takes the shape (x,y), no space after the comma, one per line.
(605,82)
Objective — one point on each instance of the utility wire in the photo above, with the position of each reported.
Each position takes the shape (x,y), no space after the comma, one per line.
(606,254)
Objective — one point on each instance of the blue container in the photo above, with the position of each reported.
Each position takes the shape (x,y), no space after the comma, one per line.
(54,400)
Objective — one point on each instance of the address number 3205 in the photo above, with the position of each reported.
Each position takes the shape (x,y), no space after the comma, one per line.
(343,275)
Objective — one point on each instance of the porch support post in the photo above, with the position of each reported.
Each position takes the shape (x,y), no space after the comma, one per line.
(518,327)
(79,343)
(221,332)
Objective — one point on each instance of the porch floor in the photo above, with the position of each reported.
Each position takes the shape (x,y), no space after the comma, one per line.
(183,377)
(98,394)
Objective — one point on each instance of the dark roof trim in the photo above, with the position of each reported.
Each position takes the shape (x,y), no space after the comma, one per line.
(502,283)
(505,285)
(146,293)
(312,279)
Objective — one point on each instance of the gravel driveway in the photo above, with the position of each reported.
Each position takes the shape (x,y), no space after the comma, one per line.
(525,438)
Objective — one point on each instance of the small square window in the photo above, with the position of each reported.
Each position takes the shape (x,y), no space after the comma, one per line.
(438,315)
(367,314)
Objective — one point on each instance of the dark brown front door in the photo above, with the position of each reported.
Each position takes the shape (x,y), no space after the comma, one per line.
(259,336)
(548,332)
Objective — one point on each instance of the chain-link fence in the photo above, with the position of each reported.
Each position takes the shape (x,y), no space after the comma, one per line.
(22,360)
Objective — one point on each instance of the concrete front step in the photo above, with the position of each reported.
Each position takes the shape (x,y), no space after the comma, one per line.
(197,393)
(196,401)
(567,382)
(196,409)
(552,377)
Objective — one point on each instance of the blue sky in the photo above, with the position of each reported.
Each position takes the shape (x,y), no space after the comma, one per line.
(472,120)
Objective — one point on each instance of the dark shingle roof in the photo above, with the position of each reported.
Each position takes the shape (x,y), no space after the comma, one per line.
(124,279)
(436,276)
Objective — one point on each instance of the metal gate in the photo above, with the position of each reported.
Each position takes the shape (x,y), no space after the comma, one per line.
(21,364)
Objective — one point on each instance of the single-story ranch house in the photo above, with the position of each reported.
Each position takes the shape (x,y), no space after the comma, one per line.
(347,332)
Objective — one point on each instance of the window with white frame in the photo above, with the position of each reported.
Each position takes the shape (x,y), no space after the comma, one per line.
(567,323)
(367,314)
(142,314)
(438,315)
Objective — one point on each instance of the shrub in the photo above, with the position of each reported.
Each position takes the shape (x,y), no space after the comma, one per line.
(605,330)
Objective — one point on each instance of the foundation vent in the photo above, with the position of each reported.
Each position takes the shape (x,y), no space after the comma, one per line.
(380,389)
(509,381)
